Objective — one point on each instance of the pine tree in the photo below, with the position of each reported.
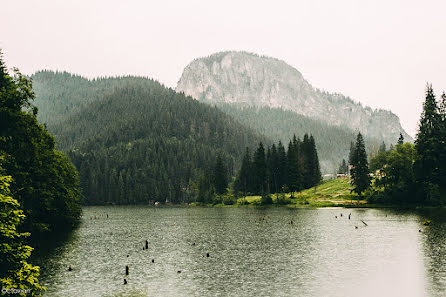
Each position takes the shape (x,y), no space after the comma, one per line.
(282,166)
(382,147)
(428,147)
(442,145)
(274,169)
(343,169)
(360,169)
(243,180)
(307,170)
(220,176)
(293,178)
(401,139)
(351,153)
(259,171)
(315,172)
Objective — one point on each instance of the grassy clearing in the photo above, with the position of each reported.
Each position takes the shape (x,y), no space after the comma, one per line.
(330,193)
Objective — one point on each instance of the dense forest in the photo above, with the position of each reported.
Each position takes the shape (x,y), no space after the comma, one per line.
(278,170)
(332,142)
(134,140)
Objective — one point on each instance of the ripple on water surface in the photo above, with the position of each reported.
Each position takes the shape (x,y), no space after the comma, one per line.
(252,252)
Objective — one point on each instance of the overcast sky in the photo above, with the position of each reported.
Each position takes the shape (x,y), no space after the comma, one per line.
(381,52)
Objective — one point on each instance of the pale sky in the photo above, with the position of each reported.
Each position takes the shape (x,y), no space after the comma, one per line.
(381,52)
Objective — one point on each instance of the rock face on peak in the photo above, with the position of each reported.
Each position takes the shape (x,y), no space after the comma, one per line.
(246,79)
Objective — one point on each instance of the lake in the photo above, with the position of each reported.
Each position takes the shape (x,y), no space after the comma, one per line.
(252,252)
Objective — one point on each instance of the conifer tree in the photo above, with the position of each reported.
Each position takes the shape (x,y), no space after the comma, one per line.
(307,162)
(315,172)
(428,147)
(282,166)
(293,181)
(220,176)
(351,153)
(442,145)
(243,180)
(382,147)
(259,170)
(274,169)
(401,139)
(343,167)
(360,169)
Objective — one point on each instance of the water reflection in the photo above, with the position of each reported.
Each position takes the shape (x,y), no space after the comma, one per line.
(252,252)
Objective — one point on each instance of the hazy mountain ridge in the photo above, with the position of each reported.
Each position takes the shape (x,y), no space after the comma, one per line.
(247,79)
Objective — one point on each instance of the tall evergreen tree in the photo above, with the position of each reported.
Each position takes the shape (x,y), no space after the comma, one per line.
(282,166)
(205,189)
(442,145)
(351,153)
(274,169)
(360,170)
(220,176)
(293,174)
(401,139)
(382,148)
(307,169)
(259,170)
(314,171)
(244,178)
(428,147)
(343,169)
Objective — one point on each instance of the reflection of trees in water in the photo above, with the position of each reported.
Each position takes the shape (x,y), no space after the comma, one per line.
(49,251)
(434,244)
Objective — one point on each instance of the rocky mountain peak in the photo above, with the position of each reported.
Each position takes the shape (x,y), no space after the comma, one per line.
(247,79)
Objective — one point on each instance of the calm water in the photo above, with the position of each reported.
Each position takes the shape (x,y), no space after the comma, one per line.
(253,252)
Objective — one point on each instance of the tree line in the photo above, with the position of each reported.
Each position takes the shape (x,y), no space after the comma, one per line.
(276,170)
(134,141)
(407,173)
(271,170)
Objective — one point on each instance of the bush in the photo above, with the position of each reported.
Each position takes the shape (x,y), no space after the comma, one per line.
(243,201)
(281,200)
(228,199)
(266,199)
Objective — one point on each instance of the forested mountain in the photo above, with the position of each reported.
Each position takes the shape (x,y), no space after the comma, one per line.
(134,140)
(245,79)
(332,142)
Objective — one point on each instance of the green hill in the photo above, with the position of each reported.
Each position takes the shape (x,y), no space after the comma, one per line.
(134,140)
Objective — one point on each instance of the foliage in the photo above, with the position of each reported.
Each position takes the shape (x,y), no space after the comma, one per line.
(279,171)
(259,171)
(266,199)
(395,181)
(430,143)
(360,169)
(134,141)
(45,182)
(228,199)
(414,174)
(15,272)
(220,176)
(400,139)
(343,168)
(332,141)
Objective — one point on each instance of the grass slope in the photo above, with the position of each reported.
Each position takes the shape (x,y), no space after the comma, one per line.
(335,192)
